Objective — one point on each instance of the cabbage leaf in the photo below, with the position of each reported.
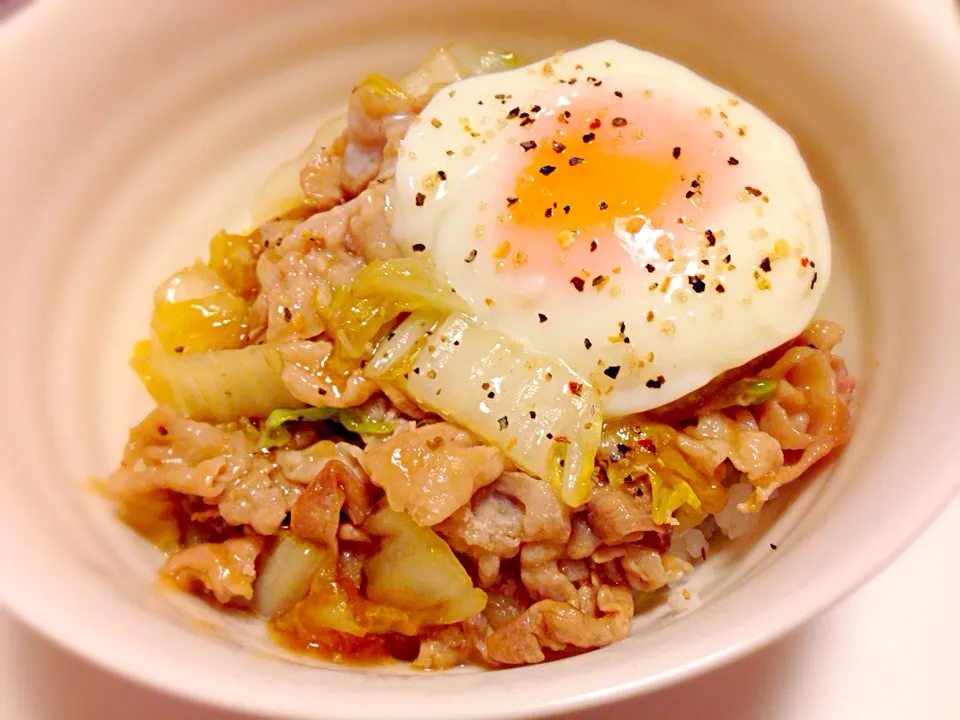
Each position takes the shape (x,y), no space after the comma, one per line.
(215,386)
(273,433)
(538,411)
(379,293)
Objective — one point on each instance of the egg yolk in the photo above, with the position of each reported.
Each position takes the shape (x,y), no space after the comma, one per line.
(604,183)
(587,176)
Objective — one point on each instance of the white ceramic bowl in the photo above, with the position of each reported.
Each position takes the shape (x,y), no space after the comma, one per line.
(130,132)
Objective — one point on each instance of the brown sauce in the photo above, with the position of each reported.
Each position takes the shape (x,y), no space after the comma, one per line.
(344,649)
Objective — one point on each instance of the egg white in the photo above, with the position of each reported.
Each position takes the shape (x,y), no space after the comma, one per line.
(450,172)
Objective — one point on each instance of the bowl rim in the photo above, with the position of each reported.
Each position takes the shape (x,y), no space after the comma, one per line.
(123,656)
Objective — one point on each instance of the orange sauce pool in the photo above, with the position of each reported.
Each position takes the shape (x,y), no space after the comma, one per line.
(344,649)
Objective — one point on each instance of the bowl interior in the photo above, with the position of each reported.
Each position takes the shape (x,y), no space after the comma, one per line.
(133,141)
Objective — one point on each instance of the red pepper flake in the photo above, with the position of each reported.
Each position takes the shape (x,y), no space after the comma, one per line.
(812,264)
(528,145)
(804,262)
(512,201)
(595,123)
(720,288)
(513,113)
(618,93)
(773,546)
(420,199)
(535,109)
(533,414)
(543,318)
(650,268)
(178,349)
(619,121)
(558,147)
(602,205)
(548,213)
(728,258)
(656,383)
(623,327)
(765,264)
(547,169)
(162,430)
(503,422)
(753,191)
(527,121)
(566,209)
(441,174)
(711,238)
(576,161)
(733,161)
(587,344)
(814,281)
(689,194)
(676,153)
(419,247)
(594,245)
(578,283)
(612,372)
(650,316)
(287,314)
(589,137)
(575,388)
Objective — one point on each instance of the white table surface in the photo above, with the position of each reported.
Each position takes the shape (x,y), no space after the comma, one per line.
(891,650)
